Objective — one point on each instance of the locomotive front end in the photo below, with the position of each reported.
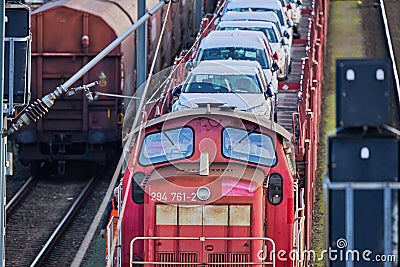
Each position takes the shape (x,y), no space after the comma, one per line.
(197,191)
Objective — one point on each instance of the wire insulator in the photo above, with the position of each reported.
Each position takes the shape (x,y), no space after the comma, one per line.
(36,110)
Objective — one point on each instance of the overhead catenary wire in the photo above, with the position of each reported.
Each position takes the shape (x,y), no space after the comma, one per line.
(37,109)
(136,120)
(89,236)
(150,100)
(115,95)
(175,68)
(190,50)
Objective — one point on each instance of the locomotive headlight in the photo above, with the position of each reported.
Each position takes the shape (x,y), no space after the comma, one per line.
(275,189)
(203,193)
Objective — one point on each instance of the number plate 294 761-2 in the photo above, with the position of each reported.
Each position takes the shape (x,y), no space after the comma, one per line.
(173,196)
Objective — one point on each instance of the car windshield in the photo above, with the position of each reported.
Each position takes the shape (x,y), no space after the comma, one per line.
(248,146)
(165,146)
(235,53)
(269,32)
(260,9)
(223,83)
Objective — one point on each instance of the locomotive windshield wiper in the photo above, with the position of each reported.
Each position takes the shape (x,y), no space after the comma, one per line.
(169,138)
(246,135)
(166,135)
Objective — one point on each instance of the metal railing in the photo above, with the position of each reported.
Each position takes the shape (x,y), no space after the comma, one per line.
(112,243)
(349,188)
(298,225)
(203,239)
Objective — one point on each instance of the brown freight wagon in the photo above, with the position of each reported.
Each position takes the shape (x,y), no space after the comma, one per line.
(66,34)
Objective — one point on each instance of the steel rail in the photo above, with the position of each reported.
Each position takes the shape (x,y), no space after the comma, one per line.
(63,225)
(20,195)
(391,52)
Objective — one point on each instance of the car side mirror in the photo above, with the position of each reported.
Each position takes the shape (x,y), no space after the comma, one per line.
(189,65)
(286,34)
(176,92)
(284,41)
(275,66)
(290,23)
(268,93)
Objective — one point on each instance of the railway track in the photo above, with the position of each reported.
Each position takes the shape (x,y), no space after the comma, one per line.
(19,196)
(391,22)
(392,9)
(66,248)
(36,221)
(381,28)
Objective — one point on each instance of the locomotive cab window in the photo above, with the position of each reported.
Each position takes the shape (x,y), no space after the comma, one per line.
(167,146)
(248,146)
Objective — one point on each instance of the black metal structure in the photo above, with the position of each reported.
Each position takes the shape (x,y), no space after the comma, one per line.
(362,186)
(17,55)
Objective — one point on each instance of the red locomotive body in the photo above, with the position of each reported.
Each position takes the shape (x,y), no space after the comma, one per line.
(210,205)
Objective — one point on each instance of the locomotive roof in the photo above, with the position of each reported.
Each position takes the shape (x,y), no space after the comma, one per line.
(106,10)
(233,38)
(222,111)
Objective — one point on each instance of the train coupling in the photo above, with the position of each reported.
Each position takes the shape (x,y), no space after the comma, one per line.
(61,167)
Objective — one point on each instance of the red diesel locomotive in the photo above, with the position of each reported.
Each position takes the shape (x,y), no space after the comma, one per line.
(211,185)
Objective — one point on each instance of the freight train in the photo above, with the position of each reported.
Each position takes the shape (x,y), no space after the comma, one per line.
(65,36)
(213,185)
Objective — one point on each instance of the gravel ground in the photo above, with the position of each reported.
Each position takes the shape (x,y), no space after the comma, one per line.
(392,11)
(345,40)
(374,37)
(29,226)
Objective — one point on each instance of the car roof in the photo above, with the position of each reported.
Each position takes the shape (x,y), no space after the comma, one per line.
(273,4)
(237,38)
(250,16)
(228,66)
(246,23)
